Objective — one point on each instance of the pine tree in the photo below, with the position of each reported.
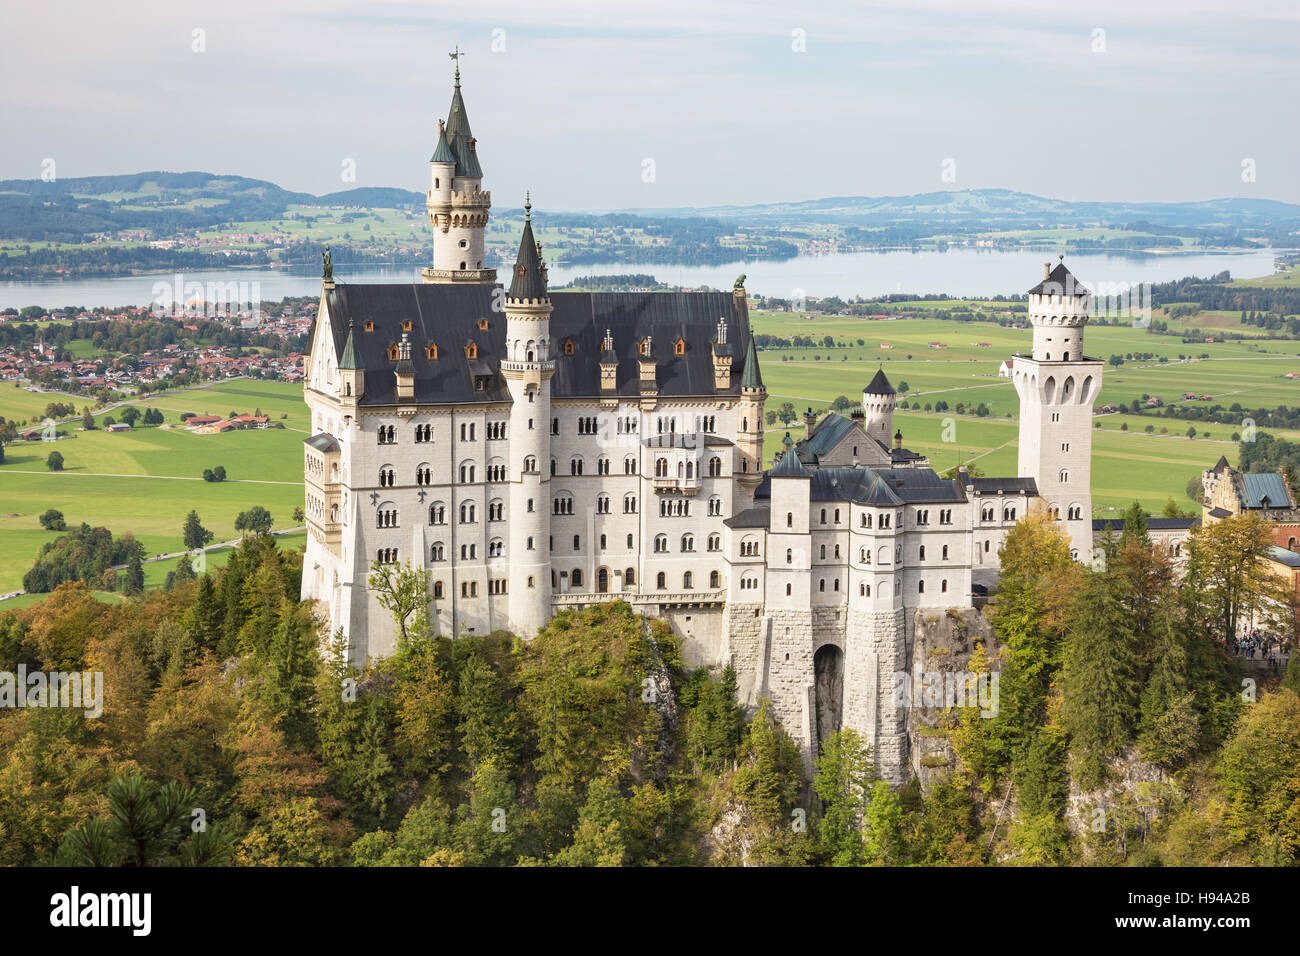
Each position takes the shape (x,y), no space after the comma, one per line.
(193,533)
(842,779)
(1100,674)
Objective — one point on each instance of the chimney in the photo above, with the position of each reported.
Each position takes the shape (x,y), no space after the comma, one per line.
(1047,270)
(405,371)
(898,439)
(608,365)
(964,474)
(809,423)
(646,364)
(721,359)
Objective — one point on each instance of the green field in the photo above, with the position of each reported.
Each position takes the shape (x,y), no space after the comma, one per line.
(146,480)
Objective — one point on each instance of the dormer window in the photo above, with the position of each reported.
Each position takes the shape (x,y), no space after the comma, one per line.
(471,351)
(406,326)
(369,326)
(568,347)
(482,324)
(432,352)
(392,353)
(679,347)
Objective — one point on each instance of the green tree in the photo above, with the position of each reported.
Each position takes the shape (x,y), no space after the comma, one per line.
(786,413)
(403,591)
(193,533)
(54,461)
(256,520)
(52,520)
(843,777)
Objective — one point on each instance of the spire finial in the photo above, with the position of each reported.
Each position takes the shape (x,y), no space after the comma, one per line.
(456,54)
(528,206)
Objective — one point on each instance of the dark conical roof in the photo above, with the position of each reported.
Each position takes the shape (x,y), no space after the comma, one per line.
(879,385)
(443,153)
(529,281)
(459,137)
(349,359)
(750,377)
(1059,281)
(789,466)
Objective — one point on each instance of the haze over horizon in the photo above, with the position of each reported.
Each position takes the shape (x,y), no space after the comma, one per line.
(1165,106)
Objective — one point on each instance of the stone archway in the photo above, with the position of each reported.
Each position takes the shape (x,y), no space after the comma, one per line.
(828,669)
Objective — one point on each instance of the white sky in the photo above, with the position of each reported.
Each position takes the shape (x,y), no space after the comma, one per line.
(586,90)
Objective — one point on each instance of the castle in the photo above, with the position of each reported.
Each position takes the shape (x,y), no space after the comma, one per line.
(536,450)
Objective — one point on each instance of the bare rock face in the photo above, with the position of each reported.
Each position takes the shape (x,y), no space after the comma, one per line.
(941,683)
(1135,795)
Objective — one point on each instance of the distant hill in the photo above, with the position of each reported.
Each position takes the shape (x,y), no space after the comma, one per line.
(995,207)
(167,203)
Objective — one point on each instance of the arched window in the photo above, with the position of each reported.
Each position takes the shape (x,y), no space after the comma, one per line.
(661,581)
(715,579)
(688,581)
(568,347)
(715,467)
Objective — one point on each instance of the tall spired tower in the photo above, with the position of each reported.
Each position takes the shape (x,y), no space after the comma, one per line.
(458,206)
(1057,388)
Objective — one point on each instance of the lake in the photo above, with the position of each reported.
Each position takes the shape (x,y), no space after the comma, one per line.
(958,272)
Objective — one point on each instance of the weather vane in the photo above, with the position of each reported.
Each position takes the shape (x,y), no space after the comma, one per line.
(456,54)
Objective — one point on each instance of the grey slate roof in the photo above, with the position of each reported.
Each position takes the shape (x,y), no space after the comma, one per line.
(1153,524)
(460,138)
(1004,486)
(529,280)
(1283,556)
(751,378)
(322,442)
(1059,282)
(789,465)
(828,433)
(879,385)
(1258,486)
(447,315)
(442,153)
(882,487)
(750,518)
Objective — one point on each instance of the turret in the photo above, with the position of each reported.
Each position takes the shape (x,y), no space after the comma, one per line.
(721,359)
(878,403)
(1058,309)
(458,205)
(351,376)
(527,369)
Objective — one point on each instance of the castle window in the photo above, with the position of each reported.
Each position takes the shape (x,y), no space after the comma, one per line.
(496,547)
(661,544)
(715,542)
(688,581)
(821,554)
(945,552)
(532,581)
(629,504)
(437,590)
(688,542)
(602,504)
(431,352)
(629,466)
(821,585)
(661,467)
(920,587)
(715,506)
(483,324)
(575,465)
(789,556)
(553,467)
(679,347)
(602,466)
(629,545)
(496,511)
(386,477)
(467,513)
(577,543)
(406,326)
(823,521)
(471,350)
(528,545)
(866,555)
(1064,476)
(602,542)
(562,505)
(530,464)
(467,474)
(436,553)
(369,326)
(789,519)
(921,553)
(866,521)
(865,590)
(943,585)
(437,513)
(661,581)
(789,589)
(629,576)
(392,353)
(837,515)
(837,584)
(568,347)
(715,467)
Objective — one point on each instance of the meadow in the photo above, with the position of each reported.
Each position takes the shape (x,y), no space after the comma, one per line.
(145,481)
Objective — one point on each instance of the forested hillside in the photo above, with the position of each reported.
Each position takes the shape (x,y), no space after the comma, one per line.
(1124,734)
